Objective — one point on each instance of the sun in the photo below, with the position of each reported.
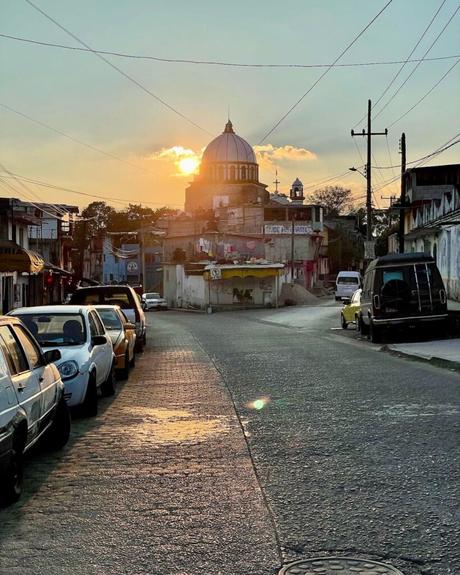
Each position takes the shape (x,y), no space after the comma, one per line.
(188,165)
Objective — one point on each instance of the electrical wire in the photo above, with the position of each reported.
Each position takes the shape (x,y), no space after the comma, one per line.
(217,63)
(418,64)
(107,198)
(392,81)
(77,141)
(427,94)
(292,108)
(119,70)
(437,152)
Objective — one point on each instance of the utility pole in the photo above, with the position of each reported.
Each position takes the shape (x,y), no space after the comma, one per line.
(292,246)
(402,199)
(369,135)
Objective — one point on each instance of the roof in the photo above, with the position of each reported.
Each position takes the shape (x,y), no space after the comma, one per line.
(401,259)
(50,309)
(228,147)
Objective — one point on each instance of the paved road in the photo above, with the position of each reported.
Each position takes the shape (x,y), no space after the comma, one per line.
(243,440)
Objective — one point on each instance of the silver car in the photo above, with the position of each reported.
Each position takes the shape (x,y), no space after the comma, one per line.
(153,300)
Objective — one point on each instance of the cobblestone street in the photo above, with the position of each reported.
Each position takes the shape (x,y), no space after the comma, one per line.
(159,483)
(344,450)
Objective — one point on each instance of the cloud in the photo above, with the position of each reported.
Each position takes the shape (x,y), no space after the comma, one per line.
(173,157)
(268,155)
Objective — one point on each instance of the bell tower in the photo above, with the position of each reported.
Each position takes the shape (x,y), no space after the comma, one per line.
(296,192)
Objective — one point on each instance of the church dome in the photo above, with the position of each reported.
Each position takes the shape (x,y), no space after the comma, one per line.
(228,147)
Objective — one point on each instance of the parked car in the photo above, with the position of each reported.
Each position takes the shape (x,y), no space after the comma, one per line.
(121,295)
(123,335)
(87,361)
(346,283)
(351,309)
(32,404)
(153,300)
(402,290)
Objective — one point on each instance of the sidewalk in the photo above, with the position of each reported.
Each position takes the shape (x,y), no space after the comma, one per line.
(453,305)
(446,351)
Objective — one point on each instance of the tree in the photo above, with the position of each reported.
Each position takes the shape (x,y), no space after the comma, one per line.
(97,216)
(334,199)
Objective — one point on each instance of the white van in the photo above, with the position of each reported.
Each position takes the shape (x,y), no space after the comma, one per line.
(346,284)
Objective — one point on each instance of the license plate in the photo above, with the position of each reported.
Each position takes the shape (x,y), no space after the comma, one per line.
(391,310)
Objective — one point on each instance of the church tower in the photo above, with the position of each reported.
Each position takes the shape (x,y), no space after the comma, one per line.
(296,193)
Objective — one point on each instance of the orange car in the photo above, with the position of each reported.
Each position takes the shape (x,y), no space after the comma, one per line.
(123,336)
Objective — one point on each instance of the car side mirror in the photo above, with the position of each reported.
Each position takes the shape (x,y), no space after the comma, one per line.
(346,301)
(52,355)
(129,325)
(98,340)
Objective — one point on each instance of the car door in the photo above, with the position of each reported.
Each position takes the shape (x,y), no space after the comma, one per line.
(26,384)
(102,354)
(43,372)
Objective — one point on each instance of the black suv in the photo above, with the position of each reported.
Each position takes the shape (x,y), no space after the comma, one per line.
(401,290)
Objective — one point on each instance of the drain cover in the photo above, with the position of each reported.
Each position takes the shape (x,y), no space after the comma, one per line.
(338,566)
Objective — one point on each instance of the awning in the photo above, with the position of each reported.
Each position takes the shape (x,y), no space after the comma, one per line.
(245,272)
(14,258)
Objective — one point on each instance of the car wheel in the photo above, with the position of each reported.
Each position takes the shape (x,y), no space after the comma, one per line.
(124,373)
(11,482)
(89,405)
(375,333)
(108,387)
(362,327)
(343,322)
(59,432)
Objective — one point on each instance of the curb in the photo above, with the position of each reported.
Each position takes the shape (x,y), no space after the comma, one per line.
(433,360)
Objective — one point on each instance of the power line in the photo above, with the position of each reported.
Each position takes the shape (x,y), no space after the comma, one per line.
(392,81)
(119,70)
(427,94)
(61,133)
(439,151)
(105,198)
(417,65)
(424,160)
(218,63)
(323,74)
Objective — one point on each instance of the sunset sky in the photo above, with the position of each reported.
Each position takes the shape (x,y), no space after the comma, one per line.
(78,94)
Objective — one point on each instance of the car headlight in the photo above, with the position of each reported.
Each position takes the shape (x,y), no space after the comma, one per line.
(68,369)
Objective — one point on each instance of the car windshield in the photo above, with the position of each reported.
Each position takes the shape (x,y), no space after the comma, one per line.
(347,280)
(56,329)
(109,318)
(152,296)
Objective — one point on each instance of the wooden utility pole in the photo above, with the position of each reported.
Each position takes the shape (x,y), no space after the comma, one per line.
(402,199)
(292,246)
(369,135)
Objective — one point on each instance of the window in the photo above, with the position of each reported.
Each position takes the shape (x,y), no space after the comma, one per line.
(347,280)
(51,330)
(110,318)
(14,353)
(99,325)
(92,325)
(232,172)
(30,347)
(243,173)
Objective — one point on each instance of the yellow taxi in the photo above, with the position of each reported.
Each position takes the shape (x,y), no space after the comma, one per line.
(351,309)
(123,335)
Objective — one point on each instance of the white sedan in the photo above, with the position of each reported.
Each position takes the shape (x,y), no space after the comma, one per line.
(87,361)
(153,300)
